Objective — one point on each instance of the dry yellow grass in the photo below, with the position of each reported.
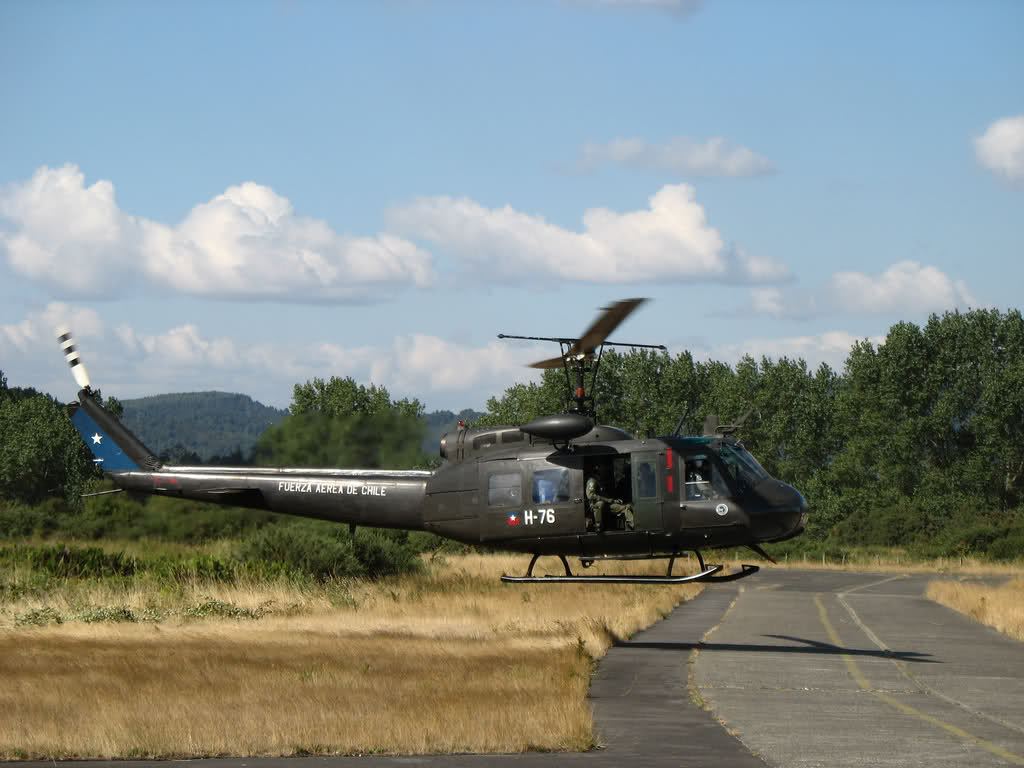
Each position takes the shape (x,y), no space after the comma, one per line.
(447,660)
(893,561)
(1001,607)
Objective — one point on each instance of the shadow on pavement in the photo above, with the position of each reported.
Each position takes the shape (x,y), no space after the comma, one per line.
(808,646)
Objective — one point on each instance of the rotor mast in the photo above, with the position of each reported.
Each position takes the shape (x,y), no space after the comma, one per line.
(583,354)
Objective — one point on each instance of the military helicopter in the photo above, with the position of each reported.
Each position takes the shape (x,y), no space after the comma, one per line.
(519,488)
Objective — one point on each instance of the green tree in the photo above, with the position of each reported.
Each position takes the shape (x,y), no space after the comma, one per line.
(41,454)
(344,397)
(522,403)
(339,423)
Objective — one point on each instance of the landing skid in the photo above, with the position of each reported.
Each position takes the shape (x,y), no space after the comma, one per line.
(708,573)
(747,570)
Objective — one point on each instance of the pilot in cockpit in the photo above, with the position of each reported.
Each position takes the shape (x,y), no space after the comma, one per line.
(698,480)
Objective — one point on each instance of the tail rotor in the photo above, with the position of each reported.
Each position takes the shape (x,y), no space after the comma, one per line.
(67,344)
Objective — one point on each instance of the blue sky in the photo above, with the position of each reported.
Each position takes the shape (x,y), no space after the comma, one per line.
(242,196)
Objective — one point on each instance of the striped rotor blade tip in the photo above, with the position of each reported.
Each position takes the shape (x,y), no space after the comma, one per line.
(67,344)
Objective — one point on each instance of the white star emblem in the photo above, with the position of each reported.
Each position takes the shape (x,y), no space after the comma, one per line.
(97,439)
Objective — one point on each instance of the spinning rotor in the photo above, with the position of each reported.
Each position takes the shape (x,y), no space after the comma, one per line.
(582,355)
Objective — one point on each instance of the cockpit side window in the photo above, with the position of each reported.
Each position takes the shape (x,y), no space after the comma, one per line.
(703,479)
(503,489)
(551,486)
(741,465)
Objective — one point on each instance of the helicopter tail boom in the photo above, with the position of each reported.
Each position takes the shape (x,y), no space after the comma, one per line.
(372,497)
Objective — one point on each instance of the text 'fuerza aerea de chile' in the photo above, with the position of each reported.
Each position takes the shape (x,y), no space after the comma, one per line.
(350,489)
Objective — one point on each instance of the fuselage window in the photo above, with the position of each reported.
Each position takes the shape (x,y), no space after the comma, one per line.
(703,480)
(484,440)
(504,489)
(550,486)
(646,479)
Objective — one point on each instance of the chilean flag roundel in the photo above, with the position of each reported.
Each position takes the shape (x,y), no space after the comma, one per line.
(512,519)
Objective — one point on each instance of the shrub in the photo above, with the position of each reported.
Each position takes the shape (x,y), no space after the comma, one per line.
(107,613)
(385,553)
(65,562)
(38,617)
(213,608)
(176,570)
(320,557)
(1010,547)
(327,552)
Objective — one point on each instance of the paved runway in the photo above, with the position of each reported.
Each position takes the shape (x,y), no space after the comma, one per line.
(838,669)
(807,668)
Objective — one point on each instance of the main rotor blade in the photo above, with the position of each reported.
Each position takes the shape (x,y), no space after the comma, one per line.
(554,362)
(604,325)
(609,319)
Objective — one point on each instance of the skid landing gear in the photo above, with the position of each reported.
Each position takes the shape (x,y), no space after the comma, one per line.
(745,570)
(706,573)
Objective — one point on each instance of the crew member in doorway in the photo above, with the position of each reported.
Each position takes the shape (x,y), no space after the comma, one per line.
(600,504)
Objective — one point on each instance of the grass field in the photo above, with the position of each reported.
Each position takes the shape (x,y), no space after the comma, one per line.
(446,660)
(1001,606)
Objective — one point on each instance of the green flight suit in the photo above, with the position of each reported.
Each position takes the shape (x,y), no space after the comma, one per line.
(599,504)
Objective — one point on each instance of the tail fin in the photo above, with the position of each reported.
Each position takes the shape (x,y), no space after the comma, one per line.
(113,447)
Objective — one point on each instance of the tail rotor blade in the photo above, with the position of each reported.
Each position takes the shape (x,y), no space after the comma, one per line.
(67,344)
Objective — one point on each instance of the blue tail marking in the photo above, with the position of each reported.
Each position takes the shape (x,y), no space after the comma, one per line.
(106,453)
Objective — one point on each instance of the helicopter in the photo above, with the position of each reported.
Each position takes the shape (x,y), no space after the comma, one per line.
(561,485)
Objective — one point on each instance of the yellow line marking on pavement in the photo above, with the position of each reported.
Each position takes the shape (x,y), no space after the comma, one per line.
(863,627)
(906,709)
(691,662)
(923,686)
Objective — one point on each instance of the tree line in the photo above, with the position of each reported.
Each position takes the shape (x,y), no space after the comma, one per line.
(916,443)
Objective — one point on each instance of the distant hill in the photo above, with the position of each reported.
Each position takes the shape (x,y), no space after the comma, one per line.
(212,424)
(205,423)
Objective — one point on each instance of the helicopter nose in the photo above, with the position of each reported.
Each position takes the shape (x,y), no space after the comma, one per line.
(780,511)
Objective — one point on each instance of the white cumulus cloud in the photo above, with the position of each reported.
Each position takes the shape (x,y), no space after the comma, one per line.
(247,242)
(669,240)
(767,301)
(905,286)
(716,156)
(38,329)
(418,365)
(129,362)
(1001,147)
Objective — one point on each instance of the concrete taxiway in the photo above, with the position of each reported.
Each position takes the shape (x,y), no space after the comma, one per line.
(838,669)
(799,668)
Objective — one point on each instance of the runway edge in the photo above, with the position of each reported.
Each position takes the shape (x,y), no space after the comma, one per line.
(643,710)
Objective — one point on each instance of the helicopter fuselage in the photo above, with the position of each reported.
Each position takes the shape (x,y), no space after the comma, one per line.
(506,490)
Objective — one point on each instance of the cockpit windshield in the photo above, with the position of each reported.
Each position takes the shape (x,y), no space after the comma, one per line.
(741,464)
